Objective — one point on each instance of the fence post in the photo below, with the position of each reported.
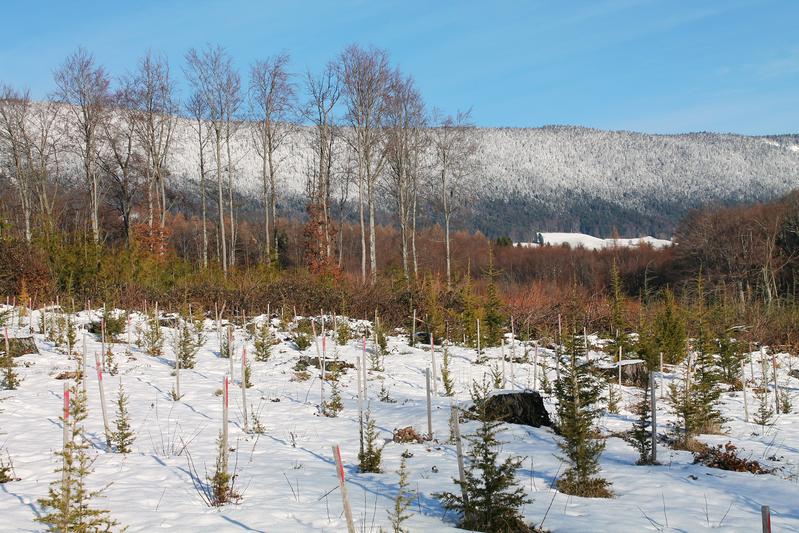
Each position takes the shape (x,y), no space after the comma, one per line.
(478,339)
(345,498)
(535,366)
(360,405)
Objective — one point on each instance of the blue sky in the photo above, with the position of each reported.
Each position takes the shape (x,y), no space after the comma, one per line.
(655,66)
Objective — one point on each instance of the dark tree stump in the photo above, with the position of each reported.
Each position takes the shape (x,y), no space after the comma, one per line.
(522,407)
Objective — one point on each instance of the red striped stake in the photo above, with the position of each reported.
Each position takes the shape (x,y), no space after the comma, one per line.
(343,487)
(765,517)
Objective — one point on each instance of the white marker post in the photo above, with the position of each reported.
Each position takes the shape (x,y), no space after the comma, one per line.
(363,369)
(83,376)
(502,354)
(433,363)
(429,405)
(413,329)
(653,408)
(102,398)
(321,366)
(743,388)
(244,387)
(343,487)
(360,403)
(512,354)
(66,414)
(456,430)
(177,377)
(225,397)
(478,339)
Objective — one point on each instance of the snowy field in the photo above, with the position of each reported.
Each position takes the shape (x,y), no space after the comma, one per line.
(288,476)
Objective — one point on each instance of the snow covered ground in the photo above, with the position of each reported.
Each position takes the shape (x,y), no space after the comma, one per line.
(288,476)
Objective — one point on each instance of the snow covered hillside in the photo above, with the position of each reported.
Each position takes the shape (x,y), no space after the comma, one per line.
(559,178)
(287,475)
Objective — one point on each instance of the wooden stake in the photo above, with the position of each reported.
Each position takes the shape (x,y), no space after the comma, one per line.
(456,430)
(413,329)
(743,388)
(343,487)
(765,518)
(66,414)
(83,364)
(225,406)
(653,408)
(776,384)
(478,338)
(102,398)
(535,366)
(360,404)
(433,364)
(502,354)
(429,405)
(244,388)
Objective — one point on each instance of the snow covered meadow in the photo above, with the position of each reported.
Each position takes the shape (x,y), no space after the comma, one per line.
(287,475)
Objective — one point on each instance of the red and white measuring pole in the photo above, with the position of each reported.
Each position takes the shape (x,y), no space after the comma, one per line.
(343,487)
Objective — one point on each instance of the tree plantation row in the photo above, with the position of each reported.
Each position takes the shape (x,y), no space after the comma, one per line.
(453,393)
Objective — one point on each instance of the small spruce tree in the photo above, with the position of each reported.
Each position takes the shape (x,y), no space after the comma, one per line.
(67,506)
(184,345)
(641,433)
(369,459)
(263,342)
(402,501)
(578,392)
(490,498)
(123,436)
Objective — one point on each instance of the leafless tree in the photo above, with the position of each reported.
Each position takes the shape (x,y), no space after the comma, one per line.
(272,103)
(197,109)
(119,156)
(454,148)
(151,94)
(15,108)
(323,92)
(366,75)
(405,145)
(212,75)
(84,87)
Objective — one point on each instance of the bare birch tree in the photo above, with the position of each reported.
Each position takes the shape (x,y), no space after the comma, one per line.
(366,76)
(405,144)
(454,148)
(14,110)
(212,75)
(272,103)
(152,96)
(197,110)
(84,87)
(119,156)
(323,92)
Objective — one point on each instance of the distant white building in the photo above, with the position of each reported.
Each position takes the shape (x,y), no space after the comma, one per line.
(581,240)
